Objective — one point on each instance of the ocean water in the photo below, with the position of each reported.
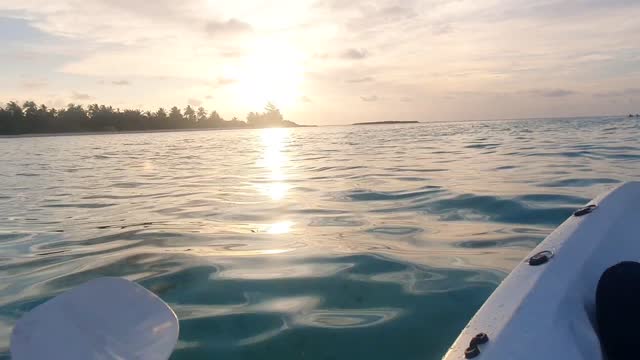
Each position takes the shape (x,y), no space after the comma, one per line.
(371,242)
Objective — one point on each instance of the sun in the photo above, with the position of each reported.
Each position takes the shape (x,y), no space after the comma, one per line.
(272,72)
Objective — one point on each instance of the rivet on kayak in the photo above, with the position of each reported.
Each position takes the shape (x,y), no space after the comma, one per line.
(541,258)
(479,339)
(471,352)
(585,210)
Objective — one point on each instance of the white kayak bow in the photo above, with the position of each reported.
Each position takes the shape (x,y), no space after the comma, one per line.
(106,318)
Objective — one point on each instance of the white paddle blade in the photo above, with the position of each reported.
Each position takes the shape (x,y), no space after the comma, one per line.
(107,318)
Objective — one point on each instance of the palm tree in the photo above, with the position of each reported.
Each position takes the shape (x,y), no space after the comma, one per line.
(175,118)
(190,116)
(201,116)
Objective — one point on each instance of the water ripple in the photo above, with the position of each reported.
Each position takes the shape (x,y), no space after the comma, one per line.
(306,243)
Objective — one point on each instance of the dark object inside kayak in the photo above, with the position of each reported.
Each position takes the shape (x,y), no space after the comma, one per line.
(618,310)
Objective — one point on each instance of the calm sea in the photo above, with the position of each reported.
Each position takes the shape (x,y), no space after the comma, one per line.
(371,242)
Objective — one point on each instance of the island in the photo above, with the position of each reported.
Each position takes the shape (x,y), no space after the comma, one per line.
(29,118)
(386,122)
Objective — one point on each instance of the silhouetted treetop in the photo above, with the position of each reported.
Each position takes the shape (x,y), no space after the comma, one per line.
(271,117)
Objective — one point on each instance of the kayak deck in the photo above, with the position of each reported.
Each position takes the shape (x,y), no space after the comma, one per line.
(548,311)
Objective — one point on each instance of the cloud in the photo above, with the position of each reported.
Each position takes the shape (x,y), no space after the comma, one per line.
(559,8)
(58,103)
(121,82)
(367,16)
(360,80)
(34,84)
(116,38)
(226,81)
(441,28)
(230,54)
(594,57)
(354,54)
(397,11)
(371,98)
(553,93)
(305,99)
(231,26)
(194,102)
(80,96)
(334,5)
(618,93)
(208,97)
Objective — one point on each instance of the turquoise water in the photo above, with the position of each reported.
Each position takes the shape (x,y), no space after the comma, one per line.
(371,242)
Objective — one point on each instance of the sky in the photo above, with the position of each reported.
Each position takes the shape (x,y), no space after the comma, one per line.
(328,61)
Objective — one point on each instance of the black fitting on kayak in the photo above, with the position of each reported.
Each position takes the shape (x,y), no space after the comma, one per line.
(540,258)
(471,352)
(479,339)
(585,210)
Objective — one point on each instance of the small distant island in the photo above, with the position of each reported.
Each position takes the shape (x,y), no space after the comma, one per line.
(29,118)
(636,115)
(386,122)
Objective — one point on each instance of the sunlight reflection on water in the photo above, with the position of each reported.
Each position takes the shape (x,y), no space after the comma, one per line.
(274,142)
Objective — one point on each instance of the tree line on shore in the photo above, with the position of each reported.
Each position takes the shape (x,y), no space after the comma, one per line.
(30,118)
